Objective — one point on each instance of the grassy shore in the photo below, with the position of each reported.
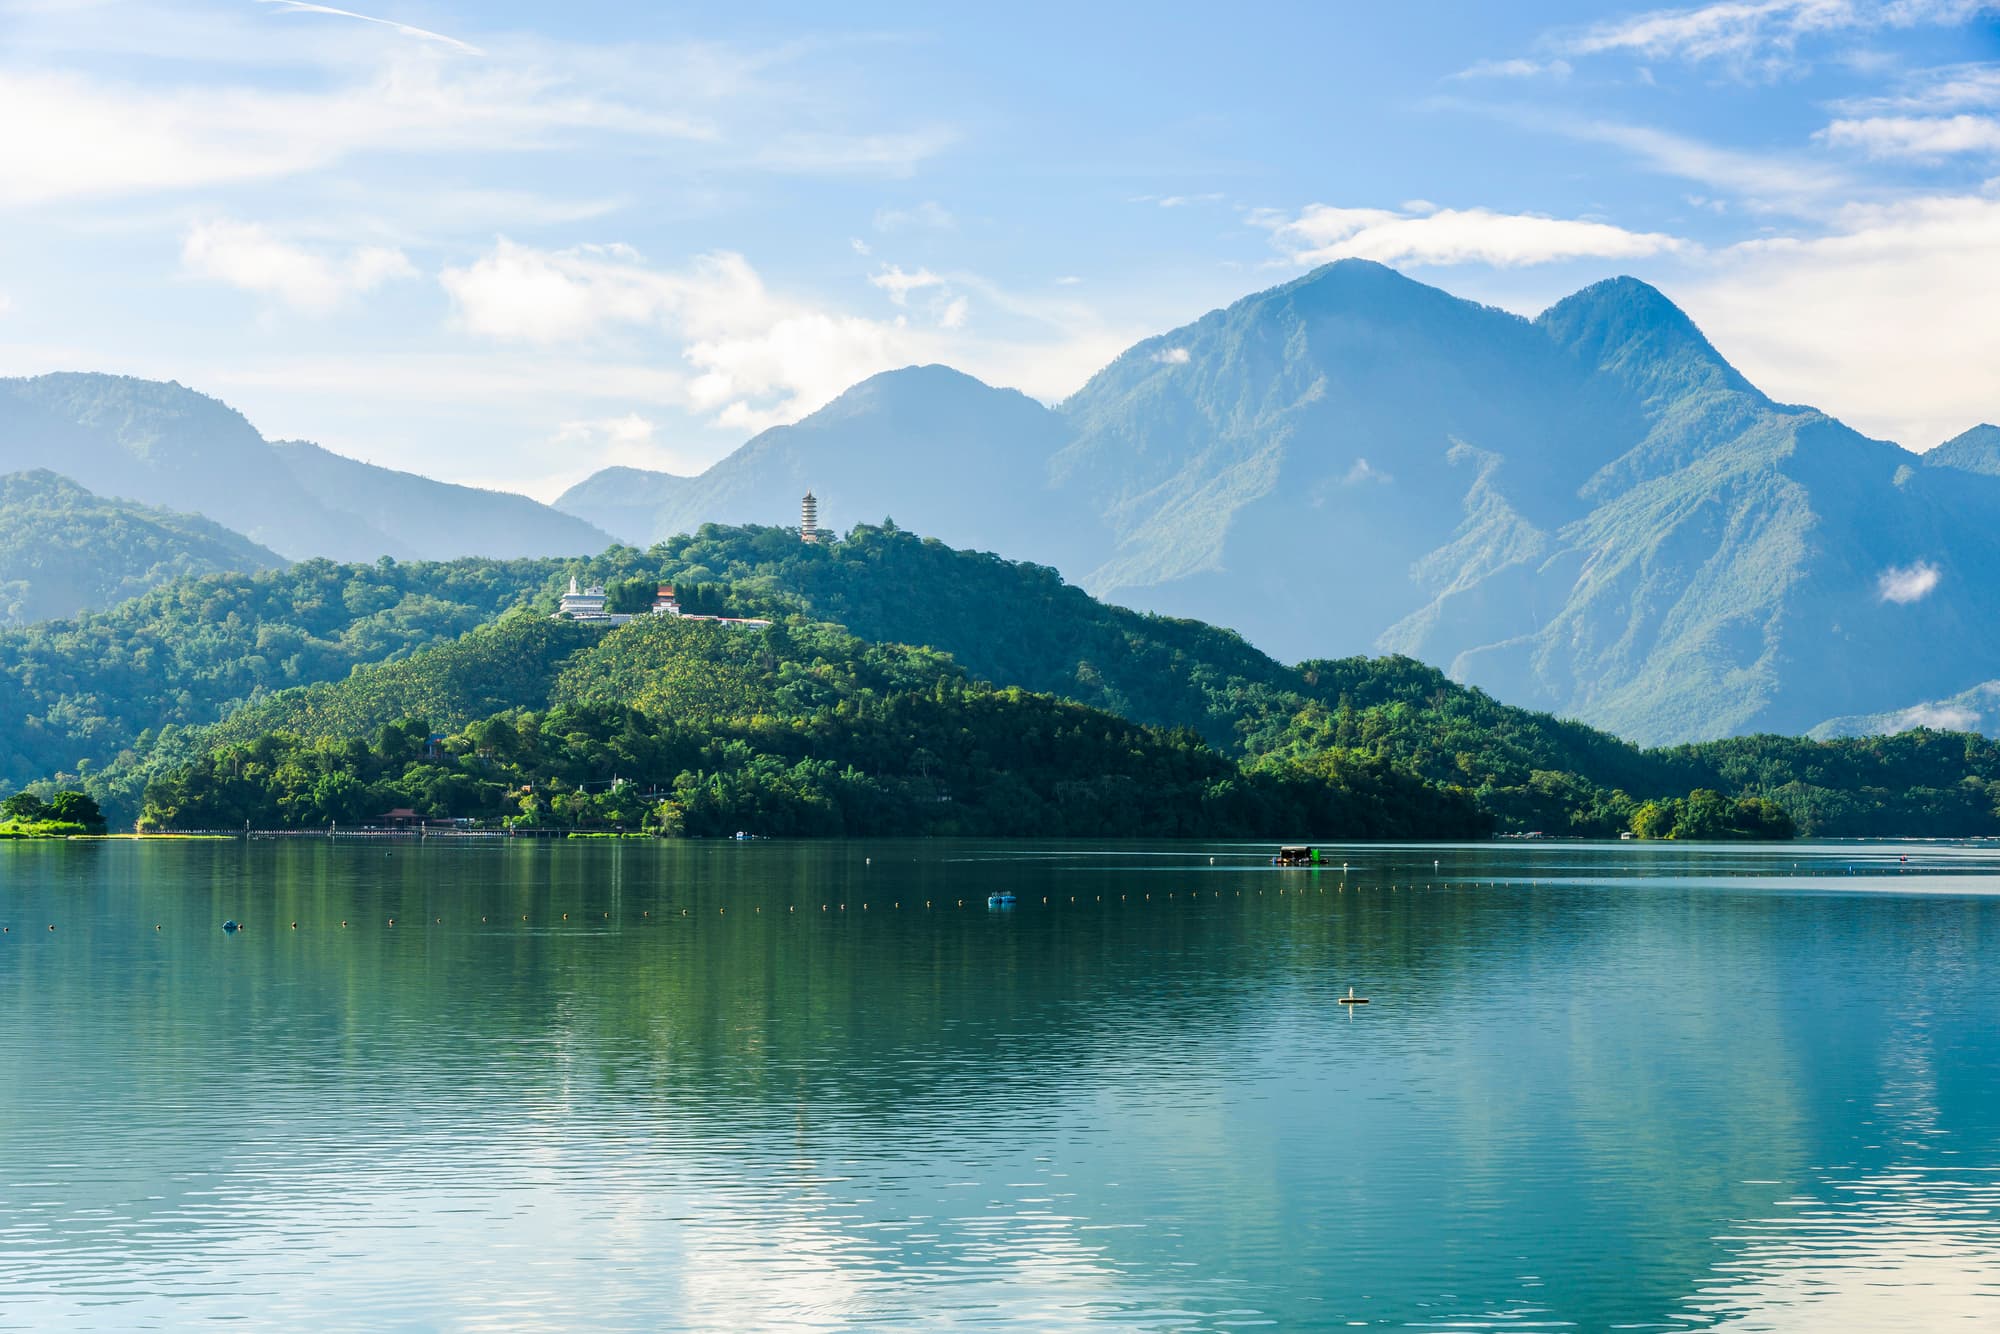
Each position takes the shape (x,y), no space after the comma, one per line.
(40,829)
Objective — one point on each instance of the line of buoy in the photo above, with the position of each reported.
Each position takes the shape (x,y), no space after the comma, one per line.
(233,926)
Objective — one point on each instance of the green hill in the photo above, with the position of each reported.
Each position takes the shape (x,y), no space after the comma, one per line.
(696,727)
(878,617)
(75,694)
(64,550)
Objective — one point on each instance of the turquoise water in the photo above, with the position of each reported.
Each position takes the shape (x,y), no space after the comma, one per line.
(799,1087)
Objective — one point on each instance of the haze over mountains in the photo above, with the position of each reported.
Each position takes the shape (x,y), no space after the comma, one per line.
(1590,512)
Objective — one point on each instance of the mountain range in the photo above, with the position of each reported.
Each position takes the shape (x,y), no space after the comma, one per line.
(1590,512)
(164,445)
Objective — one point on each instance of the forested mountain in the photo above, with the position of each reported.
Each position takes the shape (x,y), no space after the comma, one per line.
(1977,450)
(1590,512)
(969,458)
(626,502)
(75,694)
(64,550)
(1381,735)
(432,520)
(162,444)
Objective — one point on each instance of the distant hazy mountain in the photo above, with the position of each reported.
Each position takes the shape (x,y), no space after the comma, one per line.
(163,444)
(1591,512)
(64,550)
(1978,450)
(625,502)
(929,446)
(438,520)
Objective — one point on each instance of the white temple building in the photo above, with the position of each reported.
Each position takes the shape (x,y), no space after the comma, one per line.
(586,604)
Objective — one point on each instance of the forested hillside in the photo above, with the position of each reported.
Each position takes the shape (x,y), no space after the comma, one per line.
(64,550)
(75,694)
(699,728)
(881,615)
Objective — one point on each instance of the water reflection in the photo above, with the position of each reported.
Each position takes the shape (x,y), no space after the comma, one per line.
(1909,1249)
(766,1087)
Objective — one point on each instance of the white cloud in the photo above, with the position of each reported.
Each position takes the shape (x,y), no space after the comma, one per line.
(945,304)
(629,441)
(757,358)
(1885,320)
(95,138)
(1320,233)
(1761,180)
(1068,280)
(1940,89)
(815,153)
(899,284)
(421,34)
(1364,471)
(1904,584)
(859,246)
(1939,717)
(1172,356)
(1184,201)
(1915,137)
(127,98)
(929,215)
(1755,36)
(1515,69)
(247,256)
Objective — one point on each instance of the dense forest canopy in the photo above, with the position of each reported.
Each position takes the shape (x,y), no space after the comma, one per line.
(63,549)
(204,677)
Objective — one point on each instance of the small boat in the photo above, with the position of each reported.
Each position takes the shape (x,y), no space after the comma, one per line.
(1004,899)
(1351,999)
(232,926)
(1299,856)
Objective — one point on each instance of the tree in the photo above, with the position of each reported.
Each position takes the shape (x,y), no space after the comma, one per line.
(1655,819)
(76,808)
(25,807)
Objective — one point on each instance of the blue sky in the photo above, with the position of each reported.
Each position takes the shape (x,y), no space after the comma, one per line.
(508,243)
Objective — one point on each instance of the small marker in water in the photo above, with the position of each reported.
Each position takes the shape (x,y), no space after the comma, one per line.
(1351,999)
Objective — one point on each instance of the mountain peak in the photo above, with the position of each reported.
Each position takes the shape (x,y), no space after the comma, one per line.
(1977,450)
(926,391)
(1630,329)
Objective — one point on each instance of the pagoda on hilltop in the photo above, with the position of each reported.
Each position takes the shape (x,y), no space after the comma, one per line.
(809,519)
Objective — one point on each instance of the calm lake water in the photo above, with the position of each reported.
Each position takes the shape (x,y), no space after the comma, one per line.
(781,1086)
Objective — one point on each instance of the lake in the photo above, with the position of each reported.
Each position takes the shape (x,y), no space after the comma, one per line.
(774,1086)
